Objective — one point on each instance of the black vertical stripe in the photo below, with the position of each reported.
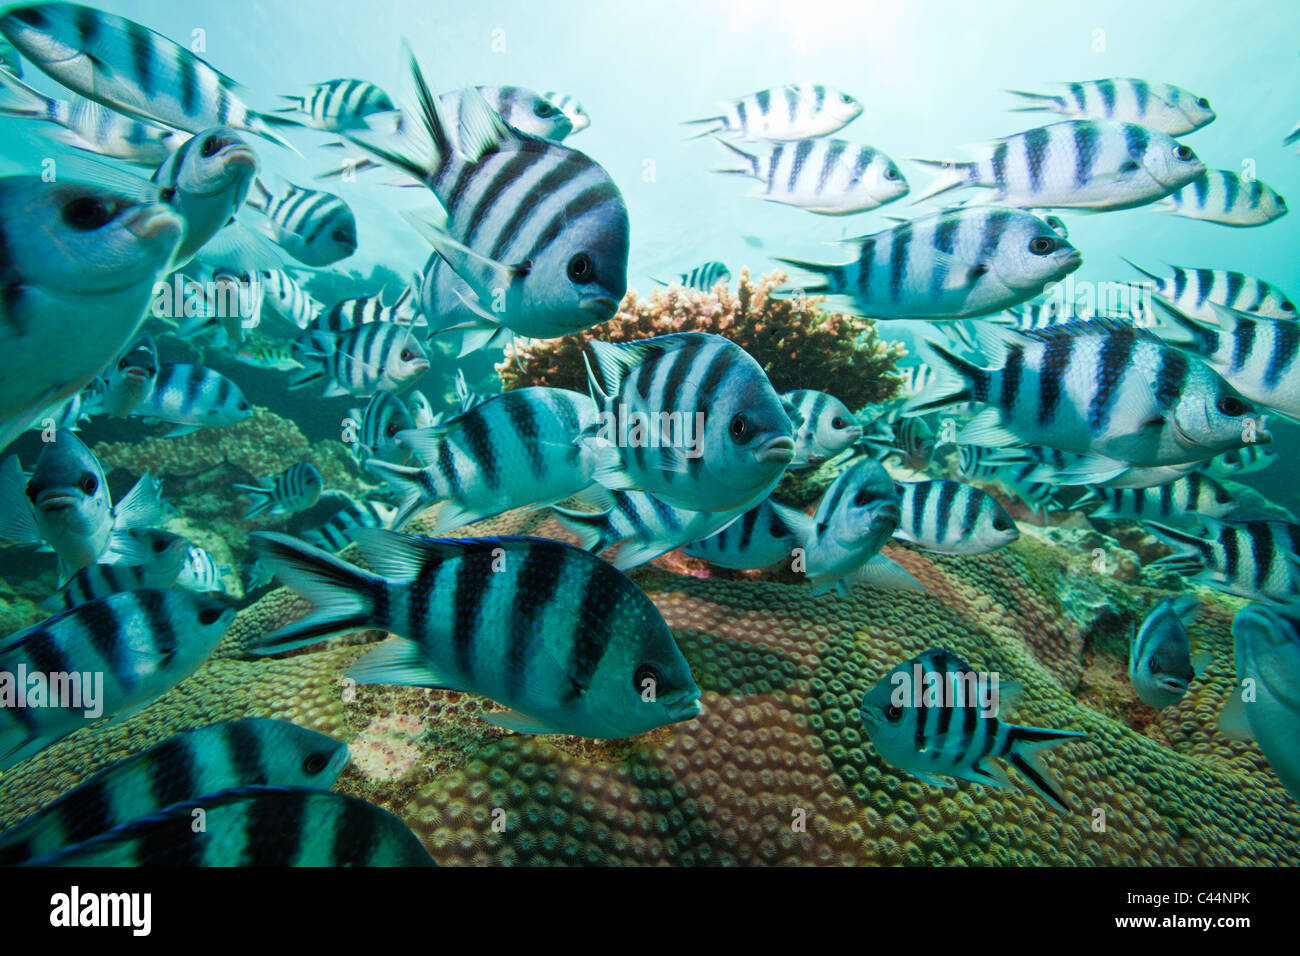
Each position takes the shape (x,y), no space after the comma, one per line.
(277,823)
(1058,351)
(1116,353)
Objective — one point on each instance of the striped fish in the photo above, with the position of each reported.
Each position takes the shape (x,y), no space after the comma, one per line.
(337,105)
(152,549)
(703,277)
(378,357)
(1051,466)
(1253,559)
(193,397)
(130,378)
(288,299)
(764,535)
(830,177)
(571,108)
(952,518)
(910,440)
(536,235)
(137,645)
(296,488)
(1160,662)
(316,228)
(100,580)
(1018,478)
(823,426)
(1240,461)
(382,420)
(949,732)
(690,418)
(1194,292)
(132,69)
(183,767)
(206,181)
(782,113)
(512,451)
(1266,652)
(254,827)
(334,533)
(525,110)
(365,309)
(272,358)
(955,263)
(552,632)
(1042,314)
(421,410)
(201,573)
(227,304)
(1159,106)
(85,125)
(1179,502)
(1079,164)
(1256,356)
(1225,197)
(641,525)
(1103,389)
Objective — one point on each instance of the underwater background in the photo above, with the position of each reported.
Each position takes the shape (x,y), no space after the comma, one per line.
(777,769)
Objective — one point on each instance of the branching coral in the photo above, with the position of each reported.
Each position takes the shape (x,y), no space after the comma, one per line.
(798,344)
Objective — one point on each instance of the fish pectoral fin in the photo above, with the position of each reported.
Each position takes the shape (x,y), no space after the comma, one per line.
(931,780)
(397,661)
(986,429)
(519,723)
(881,572)
(1201,662)
(990,775)
(609,472)
(1090,470)
(1232,719)
(180,430)
(673,459)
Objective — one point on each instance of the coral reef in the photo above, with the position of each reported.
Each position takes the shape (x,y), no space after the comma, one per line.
(798,344)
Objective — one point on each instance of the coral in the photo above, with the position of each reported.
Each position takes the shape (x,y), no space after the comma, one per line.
(798,344)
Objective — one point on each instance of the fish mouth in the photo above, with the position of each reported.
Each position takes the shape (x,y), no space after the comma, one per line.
(1072,260)
(1172,685)
(236,156)
(419,366)
(153,222)
(603,306)
(140,375)
(56,500)
(778,450)
(854,432)
(688,708)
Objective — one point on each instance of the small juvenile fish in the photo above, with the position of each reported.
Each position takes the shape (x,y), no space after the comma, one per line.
(925,717)
(337,105)
(1160,664)
(1017,476)
(1178,502)
(151,549)
(763,536)
(316,228)
(275,359)
(793,111)
(136,644)
(1258,560)
(288,299)
(100,580)
(1225,197)
(255,827)
(130,379)
(1080,164)
(1159,106)
(227,304)
(206,181)
(690,418)
(1194,292)
(191,397)
(571,108)
(296,488)
(1240,461)
(382,420)
(186,766)
(378,357)
(641,525)
(910,440)
(952,518)
(823,426)
(559,636)
(830,177)
(334,533)
(1266,648)
(201,573)
(704,277)
(955,263)
(351,313)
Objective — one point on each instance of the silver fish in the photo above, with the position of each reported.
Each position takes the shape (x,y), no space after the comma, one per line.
(1160,106)
(1227,198)
(952,518)
(296,488)
(1160,664)
(790,112)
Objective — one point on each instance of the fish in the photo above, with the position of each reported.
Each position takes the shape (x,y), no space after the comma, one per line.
(66,504)
(153,550)
(1257,357)
(272,358)
(909,716)
(1044,314)
(421,410)
(1076,164)
(191,397)
(1159,106)
(823,426)
(952,518)
(130,68)
(1104,389)
(201,573)
(206,181)
(185,766)
(1178,502)
(73,412)
(351,313)
(84,124)
(467,397)
(288,299)
(956,263)
(383,419)
(1160,662)
(910,440)
(523,109)
(316,228)
(1227,198)
(764,535)
(378,357)
(1252,559)
(232,307)
(703,277)
(100,580)
(333,534)
(570,107)
(306,827)
(70,250)
(130,379)
(337,105)
(830,177)
(137,644)
(641,525)
(690,418)
(1240,461)
(535,241)
(296,488)
(856,515)
(795,111)
(516,450)
(1267,653)
(560,637)
(1017,477)
(1194,292)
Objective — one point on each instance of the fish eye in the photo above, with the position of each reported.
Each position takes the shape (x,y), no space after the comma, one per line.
(582,269)
(739,427)
(87,213)
(343,236)
(242,406)
(392,430)
(407,355)
(1183,152)
(891,172)
(543,108)
(1281,202)
(862,498)
(209,147)
(646,671)
(893,713)
(838,422)
(209,615)
(159,546)
(121,366)
(314,763)
(89,483)
(1231,406)
(1202,102)
(1042,245)
(1288,306)
(1001,524)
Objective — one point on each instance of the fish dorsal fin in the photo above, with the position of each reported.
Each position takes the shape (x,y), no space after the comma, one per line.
(615,360)
(400,557)
(482,129)
(1084,327)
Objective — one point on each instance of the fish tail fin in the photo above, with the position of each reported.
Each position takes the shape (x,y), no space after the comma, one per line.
(20,100)
(954,382)
(706,126)
(1032,102)
(810,277)
(262,123)
(343,597)
(261,499)
(414,484)
(1150,275)
(748,162)
(950,175)
(591,527)
(1026,756)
